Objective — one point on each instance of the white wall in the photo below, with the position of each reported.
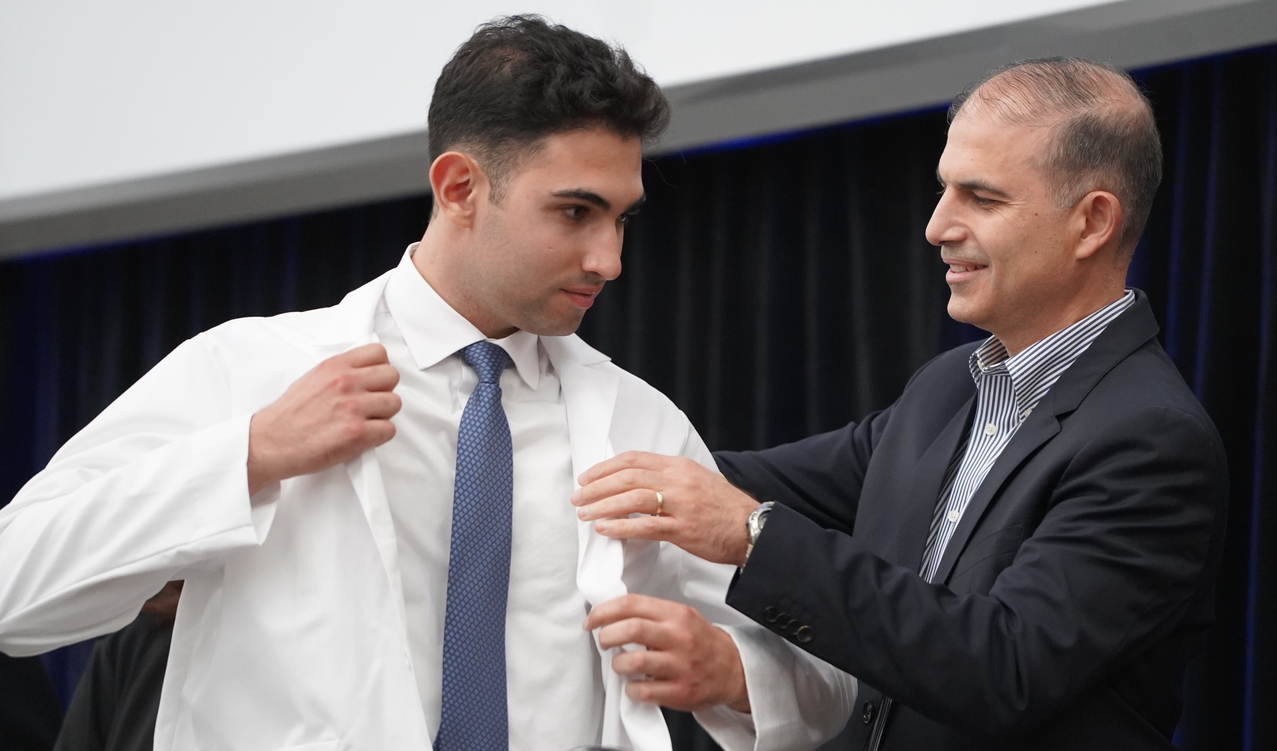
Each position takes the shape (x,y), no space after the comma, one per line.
(95,92)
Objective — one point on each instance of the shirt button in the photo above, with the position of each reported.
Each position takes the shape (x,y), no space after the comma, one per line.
(990,429)
(954,516)
(1026,412)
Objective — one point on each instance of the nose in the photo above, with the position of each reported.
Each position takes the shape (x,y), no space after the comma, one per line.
(943,226)
(604,256)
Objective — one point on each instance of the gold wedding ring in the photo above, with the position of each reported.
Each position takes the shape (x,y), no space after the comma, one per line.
(660,503)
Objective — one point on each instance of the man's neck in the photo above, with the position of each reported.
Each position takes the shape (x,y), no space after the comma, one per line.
(1020,339)
(432,262)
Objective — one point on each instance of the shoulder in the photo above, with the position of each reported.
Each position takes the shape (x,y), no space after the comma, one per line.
(1145,379)
(1146,385)
(642,417)
(321,330)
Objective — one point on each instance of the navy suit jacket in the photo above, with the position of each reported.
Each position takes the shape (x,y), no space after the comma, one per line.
(1075,588)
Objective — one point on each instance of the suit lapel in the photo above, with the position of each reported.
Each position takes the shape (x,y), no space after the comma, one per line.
(1041,426)
(909,531)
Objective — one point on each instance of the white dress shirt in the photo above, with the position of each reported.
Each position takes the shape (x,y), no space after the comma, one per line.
(554,690)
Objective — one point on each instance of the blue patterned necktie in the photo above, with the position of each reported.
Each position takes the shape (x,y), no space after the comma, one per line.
(474,716)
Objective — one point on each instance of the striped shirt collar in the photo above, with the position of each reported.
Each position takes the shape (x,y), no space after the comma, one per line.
(1036,369)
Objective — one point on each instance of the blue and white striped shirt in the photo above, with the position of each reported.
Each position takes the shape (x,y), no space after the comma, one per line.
(1007,390)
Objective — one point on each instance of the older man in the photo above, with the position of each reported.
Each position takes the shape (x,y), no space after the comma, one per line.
(1020,551)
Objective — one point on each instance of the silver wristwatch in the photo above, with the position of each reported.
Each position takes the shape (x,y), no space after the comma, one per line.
(754,525)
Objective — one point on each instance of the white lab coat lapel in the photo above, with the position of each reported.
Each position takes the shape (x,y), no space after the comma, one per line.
(352,326)
(589,395)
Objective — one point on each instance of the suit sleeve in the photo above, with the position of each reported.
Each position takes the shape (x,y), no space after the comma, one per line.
(1111,568)
(820,477)
(155,485)
(797,700)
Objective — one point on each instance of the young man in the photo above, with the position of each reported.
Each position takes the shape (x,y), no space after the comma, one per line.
(368,503)
(1020,552)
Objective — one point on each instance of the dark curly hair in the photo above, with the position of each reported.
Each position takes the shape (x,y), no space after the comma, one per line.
(520,79)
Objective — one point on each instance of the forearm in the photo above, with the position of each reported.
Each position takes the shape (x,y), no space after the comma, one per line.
(820,477)
(155,484)
(81,557)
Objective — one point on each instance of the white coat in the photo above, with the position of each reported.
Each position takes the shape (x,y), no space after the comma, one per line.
(291,631)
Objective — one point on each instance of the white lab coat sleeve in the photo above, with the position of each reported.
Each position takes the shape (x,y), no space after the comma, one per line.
(154,486)
(797,701)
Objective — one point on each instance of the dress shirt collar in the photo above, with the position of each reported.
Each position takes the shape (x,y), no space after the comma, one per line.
(1035,369)
(433,330)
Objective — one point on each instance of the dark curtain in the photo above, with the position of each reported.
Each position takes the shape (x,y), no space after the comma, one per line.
(772,289)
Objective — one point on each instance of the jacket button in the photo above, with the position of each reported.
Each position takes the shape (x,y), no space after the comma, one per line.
(867,713)
(770,614)
(803,634)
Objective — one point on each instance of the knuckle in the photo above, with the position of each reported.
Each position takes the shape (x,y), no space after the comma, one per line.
(343,381)
(349,407)
(350,431)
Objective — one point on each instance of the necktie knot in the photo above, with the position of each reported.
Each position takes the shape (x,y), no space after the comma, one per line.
(487,359)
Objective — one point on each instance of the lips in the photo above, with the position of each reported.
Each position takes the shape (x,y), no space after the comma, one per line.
(960,270)
(582,297)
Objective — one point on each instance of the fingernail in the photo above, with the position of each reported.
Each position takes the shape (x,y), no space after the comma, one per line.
(600,527)
(575,497)
(581,513)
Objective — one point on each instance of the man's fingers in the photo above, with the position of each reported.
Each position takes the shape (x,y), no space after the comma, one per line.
(378,432)
(381,405)
(381,377)
(625,460)
(640,528)
(359,357)
(650,633)
(651,663)
(632,606)
(621,481)
(624,503)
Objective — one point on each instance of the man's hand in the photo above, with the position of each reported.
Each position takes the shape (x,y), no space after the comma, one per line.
(700,511)
(689,664)
(338,410)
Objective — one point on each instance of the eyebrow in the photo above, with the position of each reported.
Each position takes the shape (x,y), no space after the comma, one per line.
(591,197)
(979,185)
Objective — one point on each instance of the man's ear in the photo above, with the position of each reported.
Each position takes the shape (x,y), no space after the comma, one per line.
(459,185)
(1099,219)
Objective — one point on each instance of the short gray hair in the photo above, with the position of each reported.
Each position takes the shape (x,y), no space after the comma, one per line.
(1103,135)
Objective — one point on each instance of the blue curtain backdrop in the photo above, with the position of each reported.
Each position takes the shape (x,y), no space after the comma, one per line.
(773,289)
